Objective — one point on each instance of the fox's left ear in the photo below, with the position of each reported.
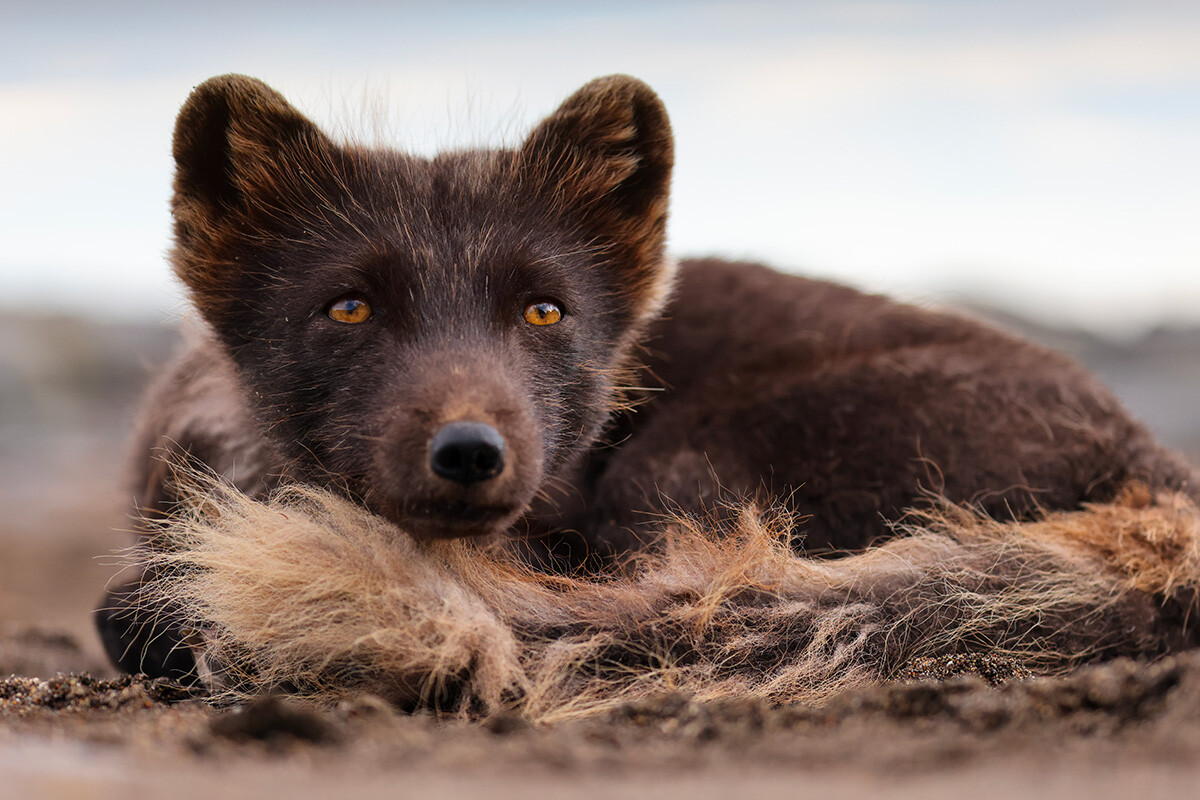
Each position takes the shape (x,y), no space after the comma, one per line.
(605,156)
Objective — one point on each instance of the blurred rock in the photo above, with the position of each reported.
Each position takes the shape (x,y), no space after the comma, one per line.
(31,651)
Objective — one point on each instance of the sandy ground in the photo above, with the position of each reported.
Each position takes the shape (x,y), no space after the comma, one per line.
(1102,732)
(1119,729)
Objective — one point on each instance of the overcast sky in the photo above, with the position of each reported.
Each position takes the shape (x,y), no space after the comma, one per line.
(1040,154)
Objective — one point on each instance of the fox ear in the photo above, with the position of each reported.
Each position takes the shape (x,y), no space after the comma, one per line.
(605,156)
(239,149)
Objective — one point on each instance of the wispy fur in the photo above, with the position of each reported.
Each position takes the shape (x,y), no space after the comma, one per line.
(311,593)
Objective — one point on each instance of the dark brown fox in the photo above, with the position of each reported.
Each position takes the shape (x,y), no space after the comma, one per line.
(495,342)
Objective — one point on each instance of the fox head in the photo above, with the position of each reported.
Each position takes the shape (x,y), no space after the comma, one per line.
(439,336)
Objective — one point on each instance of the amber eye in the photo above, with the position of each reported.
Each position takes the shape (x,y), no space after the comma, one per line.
(351,310)
(543,314)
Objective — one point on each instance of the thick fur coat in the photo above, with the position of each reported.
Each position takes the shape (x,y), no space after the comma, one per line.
(494,346)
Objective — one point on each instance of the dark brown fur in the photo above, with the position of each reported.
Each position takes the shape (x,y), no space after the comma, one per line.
(846,408)
(852,408)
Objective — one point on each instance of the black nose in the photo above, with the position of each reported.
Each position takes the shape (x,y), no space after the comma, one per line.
(467,452)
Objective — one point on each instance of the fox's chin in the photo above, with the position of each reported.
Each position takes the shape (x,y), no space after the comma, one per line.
(453,519)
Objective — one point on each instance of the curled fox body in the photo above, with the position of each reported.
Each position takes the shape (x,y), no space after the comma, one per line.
(496,343)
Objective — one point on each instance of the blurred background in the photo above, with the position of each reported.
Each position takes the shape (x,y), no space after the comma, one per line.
(1034,162)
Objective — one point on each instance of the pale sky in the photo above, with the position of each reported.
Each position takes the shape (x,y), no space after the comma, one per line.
(1044,155)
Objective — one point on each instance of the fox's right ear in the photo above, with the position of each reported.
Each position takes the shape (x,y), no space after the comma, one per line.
(240,151)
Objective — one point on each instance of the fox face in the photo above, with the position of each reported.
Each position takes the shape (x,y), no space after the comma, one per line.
(436,337)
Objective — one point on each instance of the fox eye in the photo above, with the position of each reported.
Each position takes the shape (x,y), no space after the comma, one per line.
(545,313)
(350,309)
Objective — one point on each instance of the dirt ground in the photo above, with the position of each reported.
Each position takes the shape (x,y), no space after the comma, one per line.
(1119,729)
(1105,731)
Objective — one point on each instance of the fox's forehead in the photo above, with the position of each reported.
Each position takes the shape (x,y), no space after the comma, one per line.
(464,176)
(465,204)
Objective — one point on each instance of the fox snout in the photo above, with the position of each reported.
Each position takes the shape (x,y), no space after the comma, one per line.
(467,452)
(460,453)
